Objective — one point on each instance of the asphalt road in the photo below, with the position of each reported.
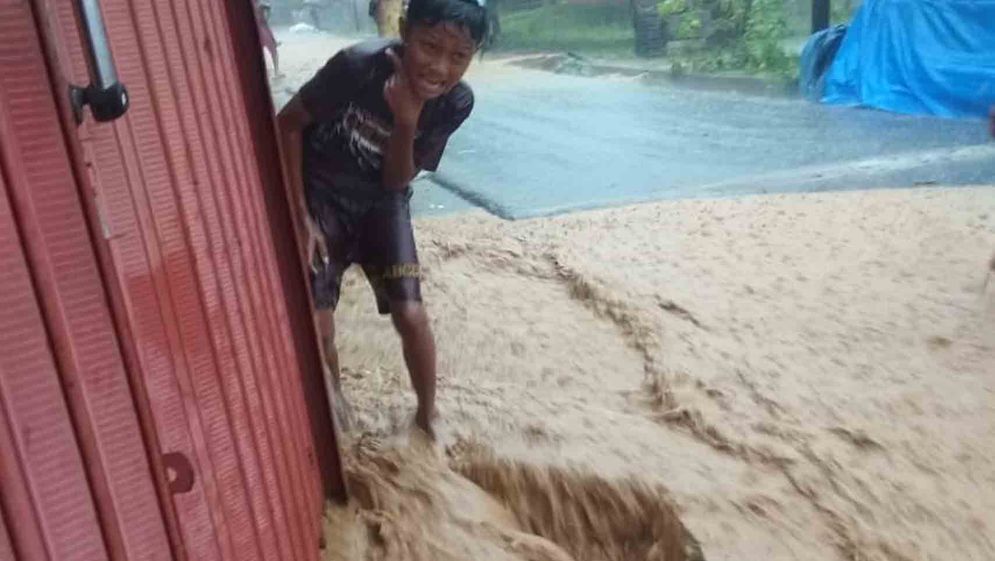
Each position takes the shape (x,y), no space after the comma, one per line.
(541,143)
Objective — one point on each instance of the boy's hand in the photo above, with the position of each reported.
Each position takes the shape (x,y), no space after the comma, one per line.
(315,242)
(404,103)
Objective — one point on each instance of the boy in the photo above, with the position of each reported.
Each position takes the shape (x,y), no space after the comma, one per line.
(353,138)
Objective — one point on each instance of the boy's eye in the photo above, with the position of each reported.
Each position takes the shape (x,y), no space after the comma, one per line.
(430,46)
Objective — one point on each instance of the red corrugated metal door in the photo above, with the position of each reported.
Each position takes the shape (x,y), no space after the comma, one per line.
(73,465)
(189,255)
(46,502)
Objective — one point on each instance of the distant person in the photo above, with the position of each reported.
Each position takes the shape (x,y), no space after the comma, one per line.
(266,36)
(353,138)
(991,121)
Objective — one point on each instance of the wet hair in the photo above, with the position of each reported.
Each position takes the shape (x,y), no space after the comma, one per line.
(468,14)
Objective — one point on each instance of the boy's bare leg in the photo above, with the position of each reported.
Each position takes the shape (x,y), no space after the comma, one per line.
(326,330)
(330,355)
(276,62)
(411,321)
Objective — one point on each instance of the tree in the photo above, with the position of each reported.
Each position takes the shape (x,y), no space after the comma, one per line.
(387,14)
(650,39)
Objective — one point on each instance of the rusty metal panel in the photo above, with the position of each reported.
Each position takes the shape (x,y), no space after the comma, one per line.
(256,191)
(6,548)
(24,531)
(211,85)
(115,188)
(45,491)
(66,275)
(178,185)
(190,401)
(291,273)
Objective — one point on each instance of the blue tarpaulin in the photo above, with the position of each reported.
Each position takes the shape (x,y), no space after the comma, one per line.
(932,57)
(818,55)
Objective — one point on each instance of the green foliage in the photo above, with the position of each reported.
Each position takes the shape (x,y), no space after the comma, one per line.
(690,28)
(735,12)
(757,28)
(671,7)
(842,11)
(591,30)
(765,28)
(752,32)
(737,59)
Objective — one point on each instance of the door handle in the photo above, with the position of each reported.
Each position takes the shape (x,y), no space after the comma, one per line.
(106,96)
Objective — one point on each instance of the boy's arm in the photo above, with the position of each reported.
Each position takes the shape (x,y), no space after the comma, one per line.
(291,121)
(399,160)
(319,98)
(398,167)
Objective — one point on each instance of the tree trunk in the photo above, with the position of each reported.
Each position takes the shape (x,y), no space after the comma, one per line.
(650,39)
(388,17)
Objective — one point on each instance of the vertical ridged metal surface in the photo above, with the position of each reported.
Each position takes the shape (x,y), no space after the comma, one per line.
(187,281)
(53,229)
(260,128)
(178,183)
(6,548)
(46,499)
(87,483)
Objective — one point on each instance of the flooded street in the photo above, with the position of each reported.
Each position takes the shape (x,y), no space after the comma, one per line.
(541,143)
(770,371)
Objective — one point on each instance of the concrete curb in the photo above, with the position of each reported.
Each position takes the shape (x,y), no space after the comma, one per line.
(569,63)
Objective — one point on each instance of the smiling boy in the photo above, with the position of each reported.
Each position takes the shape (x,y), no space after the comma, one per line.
(353,138)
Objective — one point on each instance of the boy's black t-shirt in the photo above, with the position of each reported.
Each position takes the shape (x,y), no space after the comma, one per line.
(345,143)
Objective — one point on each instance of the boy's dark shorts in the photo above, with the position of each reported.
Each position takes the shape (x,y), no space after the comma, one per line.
(374,233)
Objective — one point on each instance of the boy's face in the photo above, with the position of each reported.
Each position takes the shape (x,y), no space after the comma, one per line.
(436,57)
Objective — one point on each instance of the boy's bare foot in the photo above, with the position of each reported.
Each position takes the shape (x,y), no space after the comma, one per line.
(425,421)
(340,406)
(343,411)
